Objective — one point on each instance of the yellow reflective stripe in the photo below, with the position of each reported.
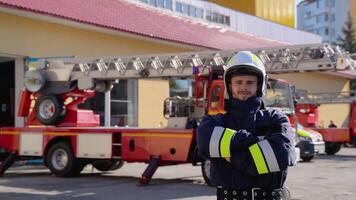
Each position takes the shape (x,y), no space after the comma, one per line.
(225,143)
(303,133)
(258,159)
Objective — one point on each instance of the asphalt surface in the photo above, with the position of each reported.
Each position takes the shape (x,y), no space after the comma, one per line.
(326,177)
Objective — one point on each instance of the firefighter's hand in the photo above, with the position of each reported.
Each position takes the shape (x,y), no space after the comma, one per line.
(228,159)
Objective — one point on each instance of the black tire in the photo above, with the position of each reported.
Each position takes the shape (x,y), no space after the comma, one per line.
(108,165)
(331,148)
(307,158)
(205,168)
(50,109)
(61,160)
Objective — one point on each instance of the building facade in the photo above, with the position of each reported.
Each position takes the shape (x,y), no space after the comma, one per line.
(325,17)
(279,11)
(276,16)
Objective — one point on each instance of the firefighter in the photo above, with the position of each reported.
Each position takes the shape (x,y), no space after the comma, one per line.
(250,148)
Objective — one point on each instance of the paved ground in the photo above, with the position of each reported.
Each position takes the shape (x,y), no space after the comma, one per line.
(327,177)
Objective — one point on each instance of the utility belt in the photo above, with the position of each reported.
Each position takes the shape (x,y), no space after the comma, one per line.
(253,194)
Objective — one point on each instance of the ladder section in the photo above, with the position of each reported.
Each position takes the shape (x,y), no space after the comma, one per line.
(326,98)
(87,71)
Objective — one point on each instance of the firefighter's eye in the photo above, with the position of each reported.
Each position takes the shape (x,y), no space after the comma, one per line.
(237,82)
(250,82)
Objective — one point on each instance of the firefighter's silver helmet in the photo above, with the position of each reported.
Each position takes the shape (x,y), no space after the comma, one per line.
(245,63)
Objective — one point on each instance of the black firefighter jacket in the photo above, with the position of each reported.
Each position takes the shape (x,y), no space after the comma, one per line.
(248,146)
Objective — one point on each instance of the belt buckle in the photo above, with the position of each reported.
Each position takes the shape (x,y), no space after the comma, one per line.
(253,192)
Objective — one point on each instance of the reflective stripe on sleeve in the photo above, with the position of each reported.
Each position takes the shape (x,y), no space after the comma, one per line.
(269,156)
(258,159)
(214,144)
(225,143)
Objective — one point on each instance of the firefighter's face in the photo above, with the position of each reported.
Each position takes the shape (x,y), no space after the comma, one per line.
(243,87)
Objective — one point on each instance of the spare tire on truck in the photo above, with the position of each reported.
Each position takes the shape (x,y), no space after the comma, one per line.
(50,109)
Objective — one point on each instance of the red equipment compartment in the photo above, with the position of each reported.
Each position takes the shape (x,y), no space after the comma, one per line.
(170,144)
(334,134)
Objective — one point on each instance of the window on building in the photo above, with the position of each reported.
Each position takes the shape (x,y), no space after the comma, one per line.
(179,7)
(200,13)
(160,3)
(332,3)
(215,17)
(123,104)
(168,4)
(185,9)
(326,31)
(182,88)
(191,11)
(329,3)
(320,31)
(332,32)
(221,19)
(227,20)
(309,22)
(326,17)
(332,17)
(307,10)
(153,3)
(208,16)
(319,18)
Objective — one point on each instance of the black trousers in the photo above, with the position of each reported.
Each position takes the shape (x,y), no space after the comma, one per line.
(253,194)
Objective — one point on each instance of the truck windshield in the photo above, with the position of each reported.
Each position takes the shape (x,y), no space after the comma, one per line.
(279,96)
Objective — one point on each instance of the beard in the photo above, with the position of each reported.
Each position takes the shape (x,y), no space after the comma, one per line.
(244,94)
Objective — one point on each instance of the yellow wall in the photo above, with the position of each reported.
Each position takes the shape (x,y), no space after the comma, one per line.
(155,91)
(247,6)
(316,82)
(37,38)
(28,37)
(280,11)
(353,13)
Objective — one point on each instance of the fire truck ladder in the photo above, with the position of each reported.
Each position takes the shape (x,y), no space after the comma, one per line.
(88,72)
(327,97)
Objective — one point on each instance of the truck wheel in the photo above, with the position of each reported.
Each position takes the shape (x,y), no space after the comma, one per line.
(108,165)
(332,148)
(61,160)
(205,168)
(50,109)
(307,158)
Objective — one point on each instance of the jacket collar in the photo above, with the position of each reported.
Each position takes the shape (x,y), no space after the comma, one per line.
(242,109)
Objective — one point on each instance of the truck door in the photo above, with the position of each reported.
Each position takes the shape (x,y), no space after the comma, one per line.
(7,96)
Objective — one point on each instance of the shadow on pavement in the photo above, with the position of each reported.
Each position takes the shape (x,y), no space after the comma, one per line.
(99,186)
(337,157)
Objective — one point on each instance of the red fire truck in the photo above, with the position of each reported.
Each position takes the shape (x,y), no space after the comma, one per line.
(68,138)
(308,115)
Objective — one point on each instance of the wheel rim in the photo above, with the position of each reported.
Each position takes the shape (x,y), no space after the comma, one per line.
(46,109)
(207,168)
(59,159)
